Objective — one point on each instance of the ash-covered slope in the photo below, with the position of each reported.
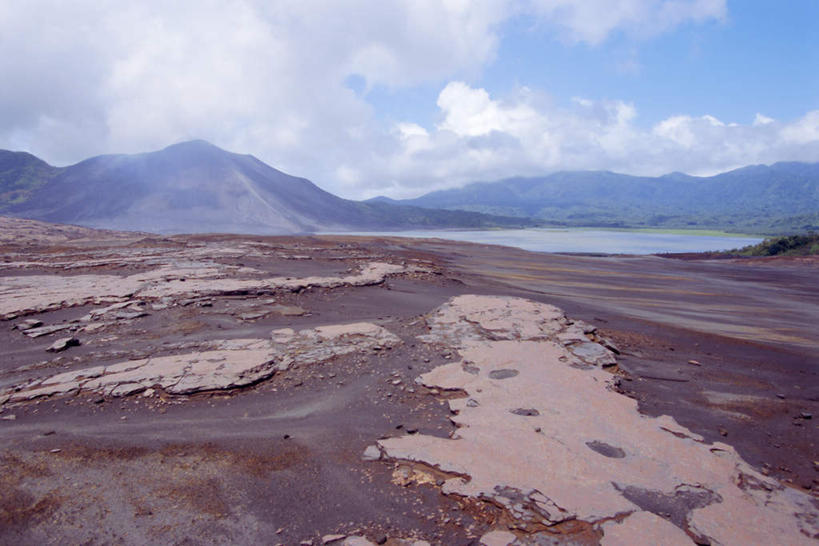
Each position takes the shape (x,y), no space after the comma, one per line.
(197,187)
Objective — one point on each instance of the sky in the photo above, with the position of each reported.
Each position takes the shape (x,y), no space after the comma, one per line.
(402,97)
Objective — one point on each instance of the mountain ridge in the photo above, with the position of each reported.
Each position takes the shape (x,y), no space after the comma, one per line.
(778,198)
(195,186)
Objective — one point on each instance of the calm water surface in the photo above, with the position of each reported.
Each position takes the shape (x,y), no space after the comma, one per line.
(586,240)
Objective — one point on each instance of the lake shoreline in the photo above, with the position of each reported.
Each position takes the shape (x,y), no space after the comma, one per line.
(583,241)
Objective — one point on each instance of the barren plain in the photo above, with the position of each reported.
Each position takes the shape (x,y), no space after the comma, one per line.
(209,389)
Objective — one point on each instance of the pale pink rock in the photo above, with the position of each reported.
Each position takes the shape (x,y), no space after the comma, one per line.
(224,364)
(324,342)
(498,538)
(357,541)
(35,293)
(550,440)
(644,528)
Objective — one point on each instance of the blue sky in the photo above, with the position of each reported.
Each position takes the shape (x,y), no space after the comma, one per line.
(762,58)
(401,97)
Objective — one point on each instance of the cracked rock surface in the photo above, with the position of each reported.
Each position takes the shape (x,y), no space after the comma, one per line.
(585,453)
(229,364)
(36,293)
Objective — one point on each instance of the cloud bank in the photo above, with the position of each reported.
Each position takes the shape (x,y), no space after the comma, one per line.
(269,78)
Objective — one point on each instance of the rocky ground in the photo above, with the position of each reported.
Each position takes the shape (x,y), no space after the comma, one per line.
(343,390)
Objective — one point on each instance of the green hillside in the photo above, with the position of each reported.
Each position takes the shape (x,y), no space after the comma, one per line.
(777,199)
(791,245)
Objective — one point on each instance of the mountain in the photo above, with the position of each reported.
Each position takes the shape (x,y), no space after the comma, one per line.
(783,197)
(197,187)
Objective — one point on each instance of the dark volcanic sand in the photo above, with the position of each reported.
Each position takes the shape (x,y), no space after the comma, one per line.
(281,461)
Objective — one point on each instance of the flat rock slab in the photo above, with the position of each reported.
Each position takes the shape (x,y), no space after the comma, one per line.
(37,293)
(466,319)
(578,449)
(63,344)
(228,364)
(325,342)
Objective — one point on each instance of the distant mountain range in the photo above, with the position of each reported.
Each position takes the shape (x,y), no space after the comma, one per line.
(780,198)
(196,187)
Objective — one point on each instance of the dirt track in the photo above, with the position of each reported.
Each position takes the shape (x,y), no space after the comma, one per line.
(725,347)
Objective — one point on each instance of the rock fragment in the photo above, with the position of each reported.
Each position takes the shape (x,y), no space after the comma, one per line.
(63,344)
(46,330)
(372,453)
(27,324)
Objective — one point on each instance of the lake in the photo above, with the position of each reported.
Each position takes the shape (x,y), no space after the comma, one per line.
(595,241)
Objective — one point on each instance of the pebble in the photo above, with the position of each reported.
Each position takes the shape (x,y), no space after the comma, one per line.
(806,415)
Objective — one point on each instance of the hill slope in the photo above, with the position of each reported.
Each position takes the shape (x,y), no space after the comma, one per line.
(197,187)
(782,197)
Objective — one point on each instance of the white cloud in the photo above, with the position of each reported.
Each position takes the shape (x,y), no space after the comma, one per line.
(761,119)
(804,131)
(483,138)
(268,78)
(592,21)
(470,112)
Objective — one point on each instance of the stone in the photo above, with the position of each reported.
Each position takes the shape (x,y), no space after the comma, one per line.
(643,528)
(37,293)
(358,541)
(287,310)
(498,538)
(596,457)
(525,412)
(28,324)
(223,364)
(372,453)
(63,344)
(593,353)
(46,330)
(126,314)
(253,316)
(503,374)
(322,343)
(330,539)
(607,450)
